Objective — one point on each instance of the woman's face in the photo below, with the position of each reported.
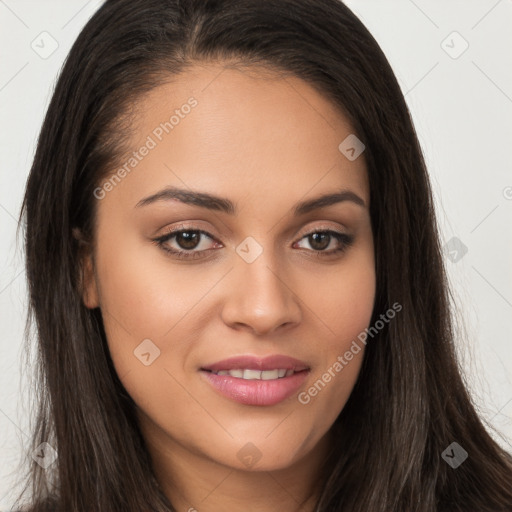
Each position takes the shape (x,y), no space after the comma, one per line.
(261,280)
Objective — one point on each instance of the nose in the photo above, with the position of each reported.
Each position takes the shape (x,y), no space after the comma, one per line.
(260,299)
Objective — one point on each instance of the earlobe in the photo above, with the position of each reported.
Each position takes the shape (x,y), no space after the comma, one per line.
(87,277)
(88,283)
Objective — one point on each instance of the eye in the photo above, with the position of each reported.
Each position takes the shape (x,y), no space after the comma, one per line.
(188,241)
(319,241)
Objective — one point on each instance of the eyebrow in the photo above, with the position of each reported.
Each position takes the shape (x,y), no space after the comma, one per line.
(211,202)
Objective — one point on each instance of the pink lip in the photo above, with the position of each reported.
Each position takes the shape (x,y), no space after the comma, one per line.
(257,392)
(258,363)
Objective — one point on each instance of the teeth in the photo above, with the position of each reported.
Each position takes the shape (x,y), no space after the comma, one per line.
(269,374)
(278,373)
(252,374)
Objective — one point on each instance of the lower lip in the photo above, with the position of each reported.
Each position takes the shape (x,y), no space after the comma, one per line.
(256,392)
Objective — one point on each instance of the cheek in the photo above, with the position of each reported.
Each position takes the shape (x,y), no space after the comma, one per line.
(141,296)
(344,308)
(145,307)
(344,302)
(347,304)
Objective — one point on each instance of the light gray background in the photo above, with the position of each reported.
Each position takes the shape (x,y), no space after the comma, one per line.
(462,109)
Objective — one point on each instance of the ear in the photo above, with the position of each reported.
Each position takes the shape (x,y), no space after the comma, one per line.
(87,275)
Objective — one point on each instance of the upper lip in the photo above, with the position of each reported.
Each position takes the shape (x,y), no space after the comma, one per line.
(249,362)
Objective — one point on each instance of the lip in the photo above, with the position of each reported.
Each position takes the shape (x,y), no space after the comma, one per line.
(256,392)
(258,363)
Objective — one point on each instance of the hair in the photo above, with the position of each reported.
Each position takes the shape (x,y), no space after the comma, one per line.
(410,401)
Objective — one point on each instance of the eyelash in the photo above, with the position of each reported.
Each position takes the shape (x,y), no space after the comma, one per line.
(344,239)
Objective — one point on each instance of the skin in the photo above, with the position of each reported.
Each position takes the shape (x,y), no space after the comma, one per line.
(252,136)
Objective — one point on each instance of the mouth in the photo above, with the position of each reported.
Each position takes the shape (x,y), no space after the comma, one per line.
(250,380)
(249,374)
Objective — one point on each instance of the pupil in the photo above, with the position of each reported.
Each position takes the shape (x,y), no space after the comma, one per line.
(313,239)
(187,239)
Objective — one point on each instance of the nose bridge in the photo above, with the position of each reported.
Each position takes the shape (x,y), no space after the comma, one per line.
(260,297)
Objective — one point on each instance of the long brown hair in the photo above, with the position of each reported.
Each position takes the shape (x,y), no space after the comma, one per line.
(409,403)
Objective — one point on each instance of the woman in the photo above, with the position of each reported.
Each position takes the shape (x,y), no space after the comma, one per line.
(208,342)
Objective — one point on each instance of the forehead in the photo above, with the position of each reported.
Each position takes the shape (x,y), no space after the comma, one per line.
(239,132)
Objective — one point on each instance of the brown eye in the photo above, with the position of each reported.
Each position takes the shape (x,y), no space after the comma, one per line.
(185,243)
(187,239)
(319,241)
